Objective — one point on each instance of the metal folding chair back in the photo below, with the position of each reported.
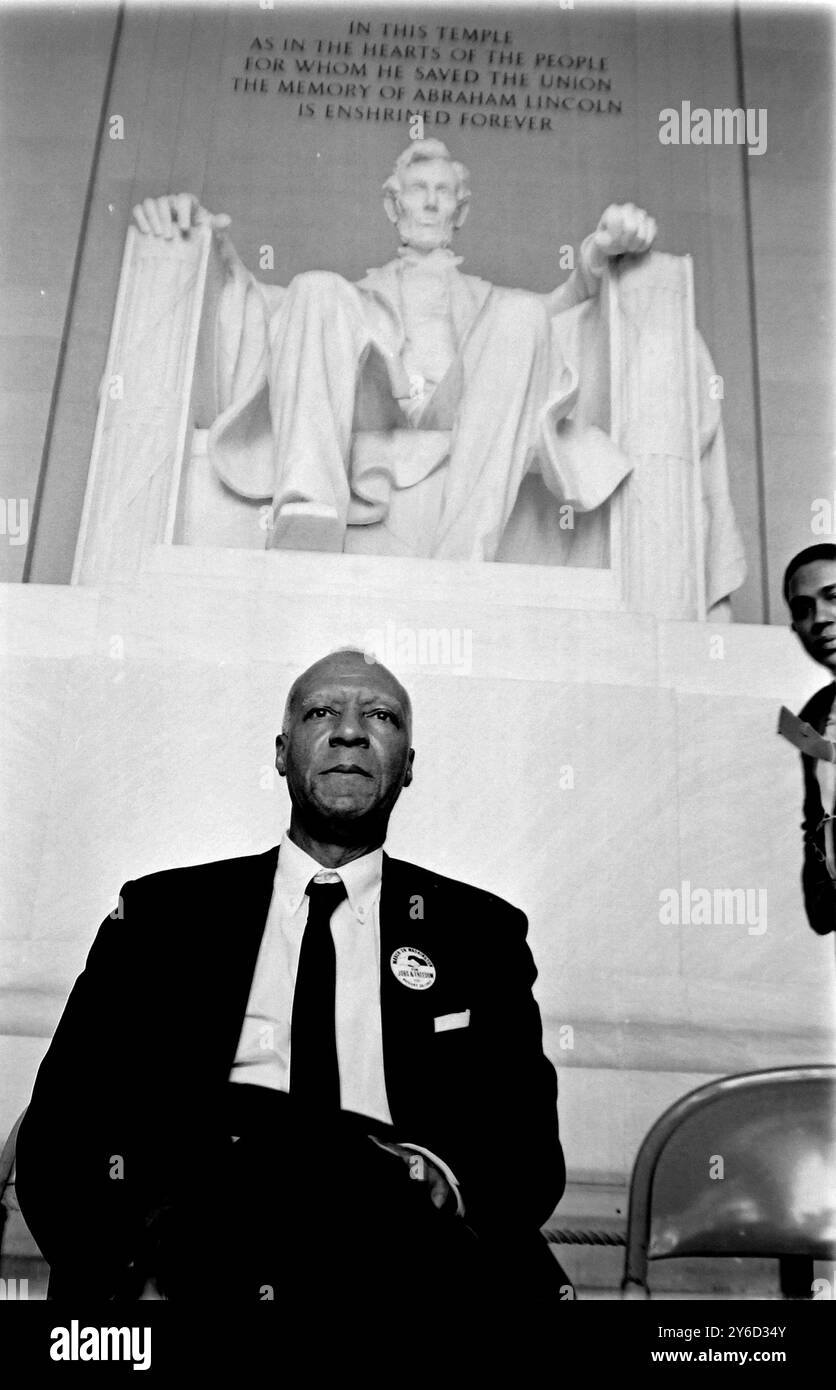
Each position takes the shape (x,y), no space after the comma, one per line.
(744,1166)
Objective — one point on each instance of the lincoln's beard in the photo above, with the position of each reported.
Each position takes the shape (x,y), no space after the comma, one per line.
(412,233)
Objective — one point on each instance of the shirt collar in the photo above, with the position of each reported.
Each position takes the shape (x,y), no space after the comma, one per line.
(295,869)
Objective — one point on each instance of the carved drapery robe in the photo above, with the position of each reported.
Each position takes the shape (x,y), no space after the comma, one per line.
(470,496)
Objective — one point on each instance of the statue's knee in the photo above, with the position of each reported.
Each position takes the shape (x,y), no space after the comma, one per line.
(323,285)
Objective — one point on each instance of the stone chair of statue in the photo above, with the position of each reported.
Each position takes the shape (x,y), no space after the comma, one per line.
(635,487)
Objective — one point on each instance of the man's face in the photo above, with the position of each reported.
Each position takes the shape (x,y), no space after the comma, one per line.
(427,204)
(346,752)
(812,600)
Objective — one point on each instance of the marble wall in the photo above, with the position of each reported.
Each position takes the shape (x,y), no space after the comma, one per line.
(53,75)
(788,71)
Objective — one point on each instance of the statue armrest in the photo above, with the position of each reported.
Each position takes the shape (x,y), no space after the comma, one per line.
(159,382)
(651,335)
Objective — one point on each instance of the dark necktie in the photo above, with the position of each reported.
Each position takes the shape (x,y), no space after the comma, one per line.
(314,1070)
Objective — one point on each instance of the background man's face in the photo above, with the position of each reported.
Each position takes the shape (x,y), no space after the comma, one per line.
(428,202)
(812,600)
(346,750)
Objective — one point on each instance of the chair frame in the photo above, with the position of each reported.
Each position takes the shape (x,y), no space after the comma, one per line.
(795,1271)
(7,1164)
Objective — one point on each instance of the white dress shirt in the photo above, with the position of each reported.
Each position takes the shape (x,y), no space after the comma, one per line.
(263,1056)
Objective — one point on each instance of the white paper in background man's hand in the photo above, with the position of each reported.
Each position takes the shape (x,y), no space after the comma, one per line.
(804,737)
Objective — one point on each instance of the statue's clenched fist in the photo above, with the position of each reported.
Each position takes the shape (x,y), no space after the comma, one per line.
(176,213)
(623,228)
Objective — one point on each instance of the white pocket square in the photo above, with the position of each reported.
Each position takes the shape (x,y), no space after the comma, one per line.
(445,1022)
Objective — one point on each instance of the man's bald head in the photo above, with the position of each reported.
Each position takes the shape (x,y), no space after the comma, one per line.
(345,749)
(344,658)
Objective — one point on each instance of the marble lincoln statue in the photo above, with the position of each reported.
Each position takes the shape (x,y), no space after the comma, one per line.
(417,346)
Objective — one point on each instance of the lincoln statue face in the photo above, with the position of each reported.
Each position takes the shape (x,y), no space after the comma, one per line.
(427,196)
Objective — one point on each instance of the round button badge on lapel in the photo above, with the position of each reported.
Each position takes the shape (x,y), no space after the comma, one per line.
(412,967)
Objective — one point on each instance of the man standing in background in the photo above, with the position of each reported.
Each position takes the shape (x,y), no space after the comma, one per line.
(810,592)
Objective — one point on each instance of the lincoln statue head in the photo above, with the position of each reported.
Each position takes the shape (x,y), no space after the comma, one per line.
(427,195)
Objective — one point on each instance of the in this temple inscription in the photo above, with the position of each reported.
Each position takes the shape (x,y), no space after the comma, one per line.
(412,403)
(448,76)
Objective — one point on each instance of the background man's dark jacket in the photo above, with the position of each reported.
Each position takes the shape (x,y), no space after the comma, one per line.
(819,887)
(127,1109)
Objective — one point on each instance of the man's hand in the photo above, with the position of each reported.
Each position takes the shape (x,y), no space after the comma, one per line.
(422,1170)
(623,228)
(175,214)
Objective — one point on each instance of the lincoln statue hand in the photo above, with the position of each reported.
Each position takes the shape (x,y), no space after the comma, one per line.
(415,345)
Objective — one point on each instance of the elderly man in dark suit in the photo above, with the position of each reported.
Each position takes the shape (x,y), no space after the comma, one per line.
(312,1073)
(810,591)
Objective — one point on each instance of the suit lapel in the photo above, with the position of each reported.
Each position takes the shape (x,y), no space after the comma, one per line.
(406,1013)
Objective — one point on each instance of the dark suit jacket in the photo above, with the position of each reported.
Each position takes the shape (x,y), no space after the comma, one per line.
(141,1057)
(819,887)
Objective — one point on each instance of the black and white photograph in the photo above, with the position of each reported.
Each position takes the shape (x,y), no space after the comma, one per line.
(418,649)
